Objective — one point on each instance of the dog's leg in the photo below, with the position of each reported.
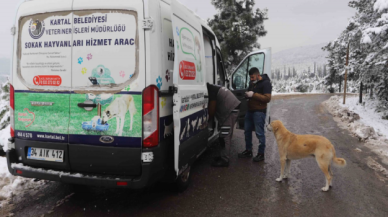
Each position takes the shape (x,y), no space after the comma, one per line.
(325,169)
(331,173)
(118,125)
(122,118)
(287,173)
(283,165)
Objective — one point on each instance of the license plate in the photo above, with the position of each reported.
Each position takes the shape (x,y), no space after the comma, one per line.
(45,154)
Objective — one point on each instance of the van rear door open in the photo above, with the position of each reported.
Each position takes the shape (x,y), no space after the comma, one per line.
(190,106)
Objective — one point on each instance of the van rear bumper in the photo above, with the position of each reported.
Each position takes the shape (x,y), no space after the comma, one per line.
(150,173)
(18,169)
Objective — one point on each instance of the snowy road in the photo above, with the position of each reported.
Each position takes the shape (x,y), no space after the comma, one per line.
(245,188)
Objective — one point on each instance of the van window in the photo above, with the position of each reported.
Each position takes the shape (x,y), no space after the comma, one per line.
(209,59)
(92,50)
(239,79)
(257,60)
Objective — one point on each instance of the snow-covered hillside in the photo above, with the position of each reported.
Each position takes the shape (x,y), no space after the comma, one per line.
(300,58)
(300,69)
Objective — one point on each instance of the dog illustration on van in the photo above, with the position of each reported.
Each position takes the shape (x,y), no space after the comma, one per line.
(118,109)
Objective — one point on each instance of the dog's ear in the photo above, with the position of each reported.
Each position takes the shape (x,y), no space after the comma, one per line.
(275,127)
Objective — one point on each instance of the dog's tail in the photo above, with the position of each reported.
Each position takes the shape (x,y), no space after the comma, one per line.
(340,162)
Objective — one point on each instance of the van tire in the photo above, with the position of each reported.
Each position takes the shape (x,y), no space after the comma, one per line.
(2,152)
(80,189)
(183,181)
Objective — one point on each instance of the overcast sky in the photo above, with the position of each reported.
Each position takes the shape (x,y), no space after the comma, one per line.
(291,23)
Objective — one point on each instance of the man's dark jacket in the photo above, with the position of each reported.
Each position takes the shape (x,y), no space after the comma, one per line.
(262,94)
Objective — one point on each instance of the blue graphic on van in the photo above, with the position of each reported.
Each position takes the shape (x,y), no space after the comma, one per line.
(103,75)
(95,125)
(177,31)
(103,99)
(159,82)
(80,60)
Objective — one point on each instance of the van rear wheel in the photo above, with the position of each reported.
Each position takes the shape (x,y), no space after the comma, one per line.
(182,183)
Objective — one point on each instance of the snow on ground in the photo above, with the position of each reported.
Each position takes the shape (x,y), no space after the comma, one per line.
(363,121)
(4,135)
(13,185)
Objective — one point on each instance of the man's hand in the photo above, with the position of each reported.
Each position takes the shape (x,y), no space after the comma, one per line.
(249,94)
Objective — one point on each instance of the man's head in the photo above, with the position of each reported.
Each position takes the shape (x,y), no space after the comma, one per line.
(254,74)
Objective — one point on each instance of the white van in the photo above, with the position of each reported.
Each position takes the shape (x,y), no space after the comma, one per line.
(113,93)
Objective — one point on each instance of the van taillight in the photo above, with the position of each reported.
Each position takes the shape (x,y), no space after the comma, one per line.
(12,110)
(150,116)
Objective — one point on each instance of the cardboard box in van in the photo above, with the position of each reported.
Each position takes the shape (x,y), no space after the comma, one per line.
(114,93)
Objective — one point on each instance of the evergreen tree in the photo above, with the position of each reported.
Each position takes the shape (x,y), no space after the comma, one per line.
(294,72)
(324,71)
(367,37)
(237,26)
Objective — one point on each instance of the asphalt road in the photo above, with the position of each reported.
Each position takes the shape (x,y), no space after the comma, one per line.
(245,188)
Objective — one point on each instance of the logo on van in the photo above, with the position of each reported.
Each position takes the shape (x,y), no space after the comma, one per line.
(47,80)
(187,70)
(36,29)
(107,139)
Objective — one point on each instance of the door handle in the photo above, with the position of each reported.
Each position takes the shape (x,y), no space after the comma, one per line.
(85,105)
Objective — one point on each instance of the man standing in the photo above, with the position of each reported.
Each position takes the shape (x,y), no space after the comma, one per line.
(259,95)
(224,105)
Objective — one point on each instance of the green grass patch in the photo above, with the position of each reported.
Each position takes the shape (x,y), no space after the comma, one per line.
(50,119)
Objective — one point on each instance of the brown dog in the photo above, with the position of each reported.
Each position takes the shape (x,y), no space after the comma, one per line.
(292,147)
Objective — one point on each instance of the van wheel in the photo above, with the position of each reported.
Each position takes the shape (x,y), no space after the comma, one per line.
(2,152)
(79,189)
(182,183)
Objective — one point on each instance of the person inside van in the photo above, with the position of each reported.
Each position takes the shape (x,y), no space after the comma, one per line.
(224,106)
(259,95)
